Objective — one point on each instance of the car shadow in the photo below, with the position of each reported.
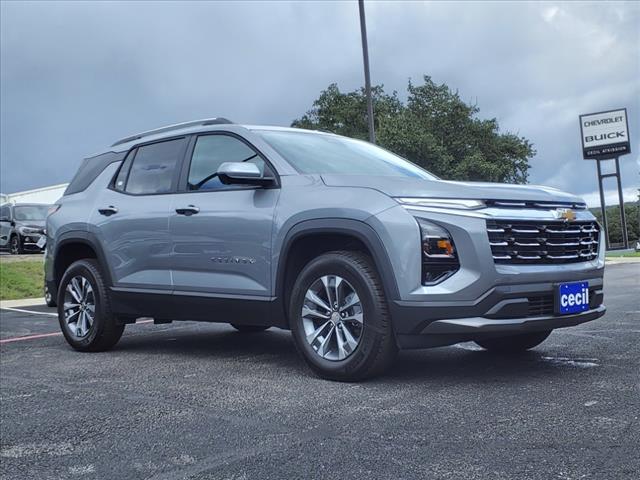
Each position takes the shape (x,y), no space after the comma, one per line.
(275,347)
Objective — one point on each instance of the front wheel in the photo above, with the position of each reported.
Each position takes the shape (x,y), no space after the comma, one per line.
(15,245)
(514,343)
(84,310)
(339,317)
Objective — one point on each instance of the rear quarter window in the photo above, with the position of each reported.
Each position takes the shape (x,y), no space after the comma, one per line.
(90,169)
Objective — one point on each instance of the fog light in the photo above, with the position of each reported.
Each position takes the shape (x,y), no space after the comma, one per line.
(439,257)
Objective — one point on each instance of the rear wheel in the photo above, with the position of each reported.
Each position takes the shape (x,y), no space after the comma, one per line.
(249,328)
(48,298)
(84,310)
(514,343)
(339,318)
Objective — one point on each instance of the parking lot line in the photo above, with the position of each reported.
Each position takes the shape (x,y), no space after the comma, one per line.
(29,311)
(30,337)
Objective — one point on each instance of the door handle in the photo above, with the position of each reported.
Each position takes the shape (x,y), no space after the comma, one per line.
(107,211)
(188,210)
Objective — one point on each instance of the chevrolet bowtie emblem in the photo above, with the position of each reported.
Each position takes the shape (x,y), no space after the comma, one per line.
(566,214)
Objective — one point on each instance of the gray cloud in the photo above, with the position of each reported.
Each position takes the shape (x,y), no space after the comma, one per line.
(75,76)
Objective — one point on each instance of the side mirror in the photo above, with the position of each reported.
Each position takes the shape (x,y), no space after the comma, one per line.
(242,173)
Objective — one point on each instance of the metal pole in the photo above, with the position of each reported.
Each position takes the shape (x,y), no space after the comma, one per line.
(367,77)
(604,213)
(623,219)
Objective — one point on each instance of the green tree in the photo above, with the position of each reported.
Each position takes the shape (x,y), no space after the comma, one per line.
(632,215)
(434,128)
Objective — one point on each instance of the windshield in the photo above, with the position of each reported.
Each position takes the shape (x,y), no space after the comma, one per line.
(30,212)
(310,152)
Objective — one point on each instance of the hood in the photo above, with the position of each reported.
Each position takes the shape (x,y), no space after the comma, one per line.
(414,187)
(31,223)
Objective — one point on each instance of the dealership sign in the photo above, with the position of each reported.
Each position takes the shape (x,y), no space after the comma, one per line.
(605,134)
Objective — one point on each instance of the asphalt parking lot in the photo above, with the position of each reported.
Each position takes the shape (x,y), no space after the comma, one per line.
(200,401)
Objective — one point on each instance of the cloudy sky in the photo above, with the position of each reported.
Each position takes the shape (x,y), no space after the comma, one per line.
(76,76)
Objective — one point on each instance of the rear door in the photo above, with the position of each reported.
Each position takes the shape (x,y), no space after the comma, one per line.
(132,216)
(221,234)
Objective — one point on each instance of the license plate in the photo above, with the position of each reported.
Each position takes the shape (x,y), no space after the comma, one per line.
(572,297)
(42,241)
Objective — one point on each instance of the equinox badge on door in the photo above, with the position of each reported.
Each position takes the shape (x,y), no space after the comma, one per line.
(236,260)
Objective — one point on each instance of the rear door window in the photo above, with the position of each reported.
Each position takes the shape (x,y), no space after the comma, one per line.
(154,167)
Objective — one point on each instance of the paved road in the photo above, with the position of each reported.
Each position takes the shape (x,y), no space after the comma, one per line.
(199,401)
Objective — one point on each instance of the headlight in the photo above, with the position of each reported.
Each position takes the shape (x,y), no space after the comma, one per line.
(455,203)
(439,256)
(28,230)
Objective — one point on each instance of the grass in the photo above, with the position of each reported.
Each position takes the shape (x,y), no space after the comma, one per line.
(622,254)
(21,279)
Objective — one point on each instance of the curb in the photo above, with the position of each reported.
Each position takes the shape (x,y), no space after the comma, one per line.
(618,260)
(23,302)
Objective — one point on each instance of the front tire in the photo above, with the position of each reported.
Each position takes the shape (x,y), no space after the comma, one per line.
(84,309)
(15,245)
(339,317)
(514,343)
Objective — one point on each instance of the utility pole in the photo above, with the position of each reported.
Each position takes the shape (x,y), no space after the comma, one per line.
(367,76)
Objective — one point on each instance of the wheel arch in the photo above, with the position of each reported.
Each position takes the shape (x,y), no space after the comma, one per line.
(310,238)
(74,246)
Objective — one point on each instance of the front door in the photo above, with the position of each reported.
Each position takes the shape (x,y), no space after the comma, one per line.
(221,234)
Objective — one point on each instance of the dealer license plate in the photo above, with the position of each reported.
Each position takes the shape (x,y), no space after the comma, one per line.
(572,297)
(42,241)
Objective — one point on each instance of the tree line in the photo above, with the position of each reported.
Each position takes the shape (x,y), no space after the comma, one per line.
(433,128)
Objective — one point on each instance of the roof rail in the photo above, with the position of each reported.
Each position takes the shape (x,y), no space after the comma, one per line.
(177,126)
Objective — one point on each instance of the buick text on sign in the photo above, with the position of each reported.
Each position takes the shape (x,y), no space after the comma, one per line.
(605,134)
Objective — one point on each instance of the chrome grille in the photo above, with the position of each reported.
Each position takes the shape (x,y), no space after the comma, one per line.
(542,242)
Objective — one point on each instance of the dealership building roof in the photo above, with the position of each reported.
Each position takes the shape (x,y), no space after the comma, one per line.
(46,195)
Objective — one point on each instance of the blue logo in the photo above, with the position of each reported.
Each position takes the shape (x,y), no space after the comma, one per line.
(573,297)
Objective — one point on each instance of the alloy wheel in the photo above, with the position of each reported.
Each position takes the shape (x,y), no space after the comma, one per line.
(79,306)
(332,317)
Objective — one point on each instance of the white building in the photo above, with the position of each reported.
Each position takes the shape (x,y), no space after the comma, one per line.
(46,195)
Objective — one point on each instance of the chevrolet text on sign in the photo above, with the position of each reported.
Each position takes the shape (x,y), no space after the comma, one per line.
(605,134)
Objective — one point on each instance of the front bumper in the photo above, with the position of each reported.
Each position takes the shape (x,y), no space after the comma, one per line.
(447,332)
(503,310)
(30,242)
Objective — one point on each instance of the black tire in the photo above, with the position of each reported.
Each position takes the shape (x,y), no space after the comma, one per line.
(48,298)
(249,328)
(377,348)
(514,343)
(15,245)
(105,332)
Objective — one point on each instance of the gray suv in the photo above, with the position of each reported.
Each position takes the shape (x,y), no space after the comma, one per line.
(355,250)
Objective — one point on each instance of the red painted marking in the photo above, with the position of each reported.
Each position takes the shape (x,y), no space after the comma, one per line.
(30,337)
(44,335)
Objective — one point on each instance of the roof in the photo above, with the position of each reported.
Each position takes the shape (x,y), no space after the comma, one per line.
(177,126)
(187,128)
